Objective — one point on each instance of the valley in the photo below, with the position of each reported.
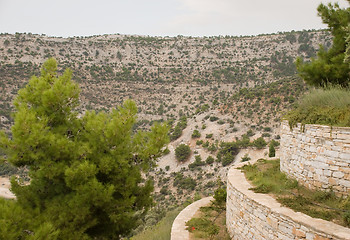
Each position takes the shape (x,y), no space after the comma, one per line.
(229,89)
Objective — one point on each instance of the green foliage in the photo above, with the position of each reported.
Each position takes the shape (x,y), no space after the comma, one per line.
(203,225)
(209,160)
(206,144)
(182,152)
(85,171)
(244,142)
(182,182)
(197,163)
(322,106)
(213,118)
(17,223)
(272,150)
(177,131)
(227,152)
(245,158)
(209,135)
(250,133)
(259,143)
(329,67)
(7,169)
(196,134)
(160,231)
(220,196)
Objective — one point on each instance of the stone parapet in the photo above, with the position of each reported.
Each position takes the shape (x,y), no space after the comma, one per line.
(252,215)
(317,156)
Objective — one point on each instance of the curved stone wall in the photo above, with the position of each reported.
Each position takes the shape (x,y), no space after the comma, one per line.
(317,156)
(252,215)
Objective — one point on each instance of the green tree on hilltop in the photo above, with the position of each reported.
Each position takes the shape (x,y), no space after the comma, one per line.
(85,172)
(329,67)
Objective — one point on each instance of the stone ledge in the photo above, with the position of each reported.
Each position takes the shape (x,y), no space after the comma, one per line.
(317,227)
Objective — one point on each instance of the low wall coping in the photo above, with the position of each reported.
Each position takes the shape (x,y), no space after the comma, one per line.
(238,181)
(308,125)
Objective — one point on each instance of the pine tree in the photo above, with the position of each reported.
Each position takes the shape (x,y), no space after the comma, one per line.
(85,171)
(329,67)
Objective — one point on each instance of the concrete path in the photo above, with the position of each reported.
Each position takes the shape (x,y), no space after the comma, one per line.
(178,230)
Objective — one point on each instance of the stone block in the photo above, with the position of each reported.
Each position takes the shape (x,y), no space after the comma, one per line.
(345,183)
(319,172)
(332,154)
(323,179)
(273,222)
(282,236)
(286,229)
(345,156)
(318,237)
(343,136)
(310,236)
(332,181)
(338,174)
(299,233)
(327,173)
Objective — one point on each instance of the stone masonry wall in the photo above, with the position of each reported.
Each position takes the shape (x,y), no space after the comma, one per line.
(317,156)
(257,216)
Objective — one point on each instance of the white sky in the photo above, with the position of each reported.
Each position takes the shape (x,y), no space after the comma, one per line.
(159,17)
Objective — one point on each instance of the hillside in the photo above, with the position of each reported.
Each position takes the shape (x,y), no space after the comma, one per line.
(227,88)
(154,70)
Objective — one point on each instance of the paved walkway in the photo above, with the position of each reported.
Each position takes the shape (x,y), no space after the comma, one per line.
(178,230)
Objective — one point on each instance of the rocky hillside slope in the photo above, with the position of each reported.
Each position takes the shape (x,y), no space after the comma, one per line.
(158,72)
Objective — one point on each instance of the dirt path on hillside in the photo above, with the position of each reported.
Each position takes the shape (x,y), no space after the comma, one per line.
(4,188)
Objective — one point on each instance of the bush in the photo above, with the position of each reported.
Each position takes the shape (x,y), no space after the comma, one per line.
(322,106)
(213,118)
(245,158)
(182,182)
(221,122)
(197,163)
(227,152)
(212,148)
(267,129)
(196,134)
(182,152)
(210,135)
(266,135)
(6,169)
(206,144)
(250,133)
(220,196)
(259,143)
(209,160)
(177,132)
(272,151)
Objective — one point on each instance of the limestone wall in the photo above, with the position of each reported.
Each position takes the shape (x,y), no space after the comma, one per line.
(317,156)
(251,215)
